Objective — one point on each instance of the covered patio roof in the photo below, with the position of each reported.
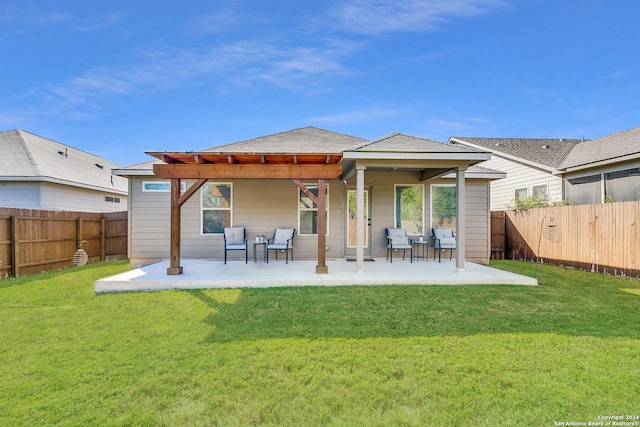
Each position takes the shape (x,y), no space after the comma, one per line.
(314,154)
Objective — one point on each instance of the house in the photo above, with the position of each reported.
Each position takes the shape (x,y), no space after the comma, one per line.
(180,203)
(571,170)
(37,173)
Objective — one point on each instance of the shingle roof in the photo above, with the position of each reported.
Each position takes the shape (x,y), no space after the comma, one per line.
(303,140)
(30,157)
(605,148)
(401,142)
(544,151)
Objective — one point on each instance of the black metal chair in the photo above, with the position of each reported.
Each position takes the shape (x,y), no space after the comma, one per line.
(282,240)
(235,240)
(397,239)
(443,238)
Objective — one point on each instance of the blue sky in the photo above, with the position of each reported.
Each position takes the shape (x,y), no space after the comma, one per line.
(119,77)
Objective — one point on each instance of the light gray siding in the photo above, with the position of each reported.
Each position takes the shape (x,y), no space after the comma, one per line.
(519,176)
(263,205)
(67,198)
(25,195)
(57,197)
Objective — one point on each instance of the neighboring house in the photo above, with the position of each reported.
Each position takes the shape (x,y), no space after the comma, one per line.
(37,173)
(260,184)
(571,170)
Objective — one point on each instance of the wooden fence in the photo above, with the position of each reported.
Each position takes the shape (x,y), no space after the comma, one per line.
(599,237)
(33,241)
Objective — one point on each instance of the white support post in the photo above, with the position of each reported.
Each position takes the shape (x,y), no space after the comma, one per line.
(360,225)
(460,218)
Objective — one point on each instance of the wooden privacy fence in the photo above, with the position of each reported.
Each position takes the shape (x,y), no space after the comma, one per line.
(33,241)
(599,237)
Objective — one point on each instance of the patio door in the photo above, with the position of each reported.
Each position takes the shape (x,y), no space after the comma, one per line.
(350,247)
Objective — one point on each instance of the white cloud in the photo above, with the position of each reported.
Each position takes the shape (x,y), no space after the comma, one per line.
(237,64)
(360,116)
(381,16)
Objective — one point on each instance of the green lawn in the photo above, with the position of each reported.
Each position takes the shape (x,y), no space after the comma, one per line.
(565,351)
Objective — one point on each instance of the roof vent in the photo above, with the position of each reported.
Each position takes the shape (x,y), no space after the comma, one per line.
(497,144)
(99,166)
(546,147)
(63,153)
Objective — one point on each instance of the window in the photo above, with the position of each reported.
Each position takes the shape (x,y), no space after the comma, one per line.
(520,193)
(409,209)
(216,207)
(623,185)
(161,186)
(112,199)
(540,191)
(443,206)
(308,211)
(584,190)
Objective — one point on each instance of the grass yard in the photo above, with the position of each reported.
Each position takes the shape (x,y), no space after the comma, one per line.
(565,351)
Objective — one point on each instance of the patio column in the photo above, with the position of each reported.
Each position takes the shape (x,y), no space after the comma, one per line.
(460,217)
(360,225)
(174,249)
(322,268)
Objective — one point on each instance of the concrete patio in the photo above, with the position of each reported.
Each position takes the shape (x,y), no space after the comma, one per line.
(210,274)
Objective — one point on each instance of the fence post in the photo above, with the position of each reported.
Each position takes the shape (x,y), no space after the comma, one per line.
(78,232)
(103,238)
(15,241)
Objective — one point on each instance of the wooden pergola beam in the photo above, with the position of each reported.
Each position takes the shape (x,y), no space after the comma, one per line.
(246,171)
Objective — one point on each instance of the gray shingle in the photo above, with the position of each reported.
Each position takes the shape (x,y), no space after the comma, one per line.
(303,140)
(401,142)
(605,148)
(544,151)
(31,156)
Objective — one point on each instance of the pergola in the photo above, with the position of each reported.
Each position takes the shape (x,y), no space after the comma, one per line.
(206,165)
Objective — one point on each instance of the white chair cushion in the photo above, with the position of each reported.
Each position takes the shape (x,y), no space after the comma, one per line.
(396,232)
(281,237)
(236,247)
(234,236)
(397,241)
(441,233)
(449,242)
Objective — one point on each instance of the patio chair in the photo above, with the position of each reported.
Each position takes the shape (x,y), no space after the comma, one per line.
(397,239)
(235,240)
(443,238)
(282,240)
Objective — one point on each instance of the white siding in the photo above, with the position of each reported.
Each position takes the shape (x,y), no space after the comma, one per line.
(57,197)
(25,195)
(518,176)
(67,198)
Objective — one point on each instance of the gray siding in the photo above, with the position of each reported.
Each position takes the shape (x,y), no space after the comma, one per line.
(263,205)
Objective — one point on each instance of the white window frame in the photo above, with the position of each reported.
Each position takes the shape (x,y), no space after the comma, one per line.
(202,208)
(545,185)
(515,191)
(165,186)
(326,203)
(395,204)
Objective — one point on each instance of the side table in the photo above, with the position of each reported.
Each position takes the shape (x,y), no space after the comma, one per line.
(425,249)
(264,251)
